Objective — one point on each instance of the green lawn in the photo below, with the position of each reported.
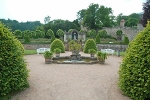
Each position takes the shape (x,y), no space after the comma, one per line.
(30,52)
(121,54)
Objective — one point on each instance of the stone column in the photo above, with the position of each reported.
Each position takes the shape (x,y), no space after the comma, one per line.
(65,40)
(83,37)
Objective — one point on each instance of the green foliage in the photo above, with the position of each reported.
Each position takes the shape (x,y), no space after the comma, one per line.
(92,51)
(48,54)
(96,16)
(57,43)
(47,19)
(50,33)
(74,45)
(134,72)
(131,20)
(18,34)
(70,30)
(39,34)
(27,39)
(15,25)
(126,40)
(52,38)
(60,33)
(119,32)
(30,52)
(101,56)
(98,40)
(33,35)
(146,14)
(13,71)
(92,33)
(102,33)
(55,25)
(57,50)
(90,44)
(82,32)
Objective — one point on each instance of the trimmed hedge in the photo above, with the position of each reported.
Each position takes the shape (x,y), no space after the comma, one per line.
(13,71)
(57,43)
(98,40)
(126,40)
(89,44)
(134,72)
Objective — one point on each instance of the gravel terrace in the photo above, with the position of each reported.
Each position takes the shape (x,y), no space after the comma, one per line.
(72,81)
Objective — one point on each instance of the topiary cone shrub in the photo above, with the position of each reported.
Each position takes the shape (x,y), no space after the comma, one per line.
(126,40)
(89,44)
(97,40)
(134,72)
(57,43)
(13,71)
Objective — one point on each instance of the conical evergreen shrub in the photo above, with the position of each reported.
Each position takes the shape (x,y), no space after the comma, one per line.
(57,43)
(13,71)
(89,44)
(97,39)
(126,40)
(134,72)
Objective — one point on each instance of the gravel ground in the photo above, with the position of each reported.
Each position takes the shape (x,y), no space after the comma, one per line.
(72,81)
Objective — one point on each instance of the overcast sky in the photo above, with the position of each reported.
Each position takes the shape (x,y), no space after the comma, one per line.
(36,10)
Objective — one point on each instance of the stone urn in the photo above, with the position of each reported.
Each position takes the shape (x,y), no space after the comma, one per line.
(75,52)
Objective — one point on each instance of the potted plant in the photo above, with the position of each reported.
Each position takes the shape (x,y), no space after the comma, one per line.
(74,46)
(48,55)
(101,57)
(57,52)
(92,52)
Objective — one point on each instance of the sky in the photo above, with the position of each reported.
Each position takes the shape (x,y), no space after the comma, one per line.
(36,10)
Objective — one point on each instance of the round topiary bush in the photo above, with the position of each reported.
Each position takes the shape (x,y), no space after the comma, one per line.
(57,43)
(13,71)
(27,39)
(89,44)
(134,72)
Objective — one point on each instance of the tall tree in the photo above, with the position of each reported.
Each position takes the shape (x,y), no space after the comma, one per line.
(55,25)
(15,25)
(146,15)
(96,17)
(81,14)
(47,19)
(130,21)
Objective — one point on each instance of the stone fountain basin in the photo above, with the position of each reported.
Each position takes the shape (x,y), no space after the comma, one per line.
(66,60)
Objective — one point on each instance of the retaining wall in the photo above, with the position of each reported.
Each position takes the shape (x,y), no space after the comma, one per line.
(99,46)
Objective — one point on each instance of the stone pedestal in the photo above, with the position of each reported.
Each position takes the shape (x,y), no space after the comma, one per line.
(75,55)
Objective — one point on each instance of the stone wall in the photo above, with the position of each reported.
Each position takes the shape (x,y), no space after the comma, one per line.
(99,46)
(129,32)
(35,46)
(111,46)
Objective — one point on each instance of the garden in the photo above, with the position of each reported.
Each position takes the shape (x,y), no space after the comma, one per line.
(17,75)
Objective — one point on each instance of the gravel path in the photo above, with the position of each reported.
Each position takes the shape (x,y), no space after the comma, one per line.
(72,81)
